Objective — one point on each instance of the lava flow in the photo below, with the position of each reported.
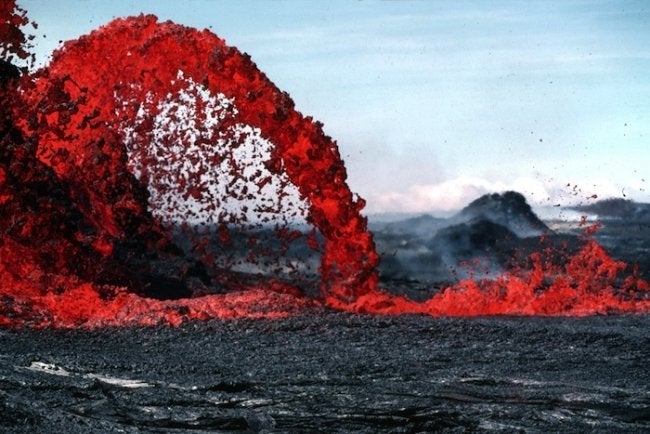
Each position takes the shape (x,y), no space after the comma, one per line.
(150,174)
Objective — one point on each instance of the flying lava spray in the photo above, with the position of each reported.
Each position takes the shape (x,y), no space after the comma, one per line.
(150,174)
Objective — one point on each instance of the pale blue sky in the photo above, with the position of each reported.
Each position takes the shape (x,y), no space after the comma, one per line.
(434,103)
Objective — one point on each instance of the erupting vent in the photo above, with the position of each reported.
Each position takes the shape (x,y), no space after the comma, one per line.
(151,174)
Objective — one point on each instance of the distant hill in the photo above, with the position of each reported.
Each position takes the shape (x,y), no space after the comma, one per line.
(500,231)
(617,208)
(508,209)
(431,249)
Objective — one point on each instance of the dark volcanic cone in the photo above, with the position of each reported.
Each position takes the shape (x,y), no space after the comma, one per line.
(508,209)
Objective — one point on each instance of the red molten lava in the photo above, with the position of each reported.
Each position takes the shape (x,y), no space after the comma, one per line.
(99,83)
(589,283)
(150,164)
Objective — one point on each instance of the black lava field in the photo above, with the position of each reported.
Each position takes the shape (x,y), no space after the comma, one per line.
(332,372)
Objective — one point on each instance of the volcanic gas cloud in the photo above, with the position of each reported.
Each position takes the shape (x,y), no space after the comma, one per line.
(150,174)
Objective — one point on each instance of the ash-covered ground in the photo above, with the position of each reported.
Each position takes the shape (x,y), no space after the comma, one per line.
(332,372)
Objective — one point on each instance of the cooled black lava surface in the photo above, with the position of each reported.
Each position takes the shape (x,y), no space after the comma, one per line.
(332,372)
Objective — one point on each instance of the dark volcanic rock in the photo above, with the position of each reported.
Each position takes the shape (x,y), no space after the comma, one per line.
(508,209)
(472,238)
(8,72)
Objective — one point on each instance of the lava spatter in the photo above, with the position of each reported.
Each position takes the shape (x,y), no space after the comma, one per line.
(139,62)
(157,137)
(150,174)
(587,283)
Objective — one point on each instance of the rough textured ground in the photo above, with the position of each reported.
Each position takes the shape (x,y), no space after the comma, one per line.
(332,372)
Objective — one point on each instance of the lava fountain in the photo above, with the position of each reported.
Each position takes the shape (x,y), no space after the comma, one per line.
(151,174)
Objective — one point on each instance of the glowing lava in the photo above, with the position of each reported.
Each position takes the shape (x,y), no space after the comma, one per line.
(589,283)
(141,129)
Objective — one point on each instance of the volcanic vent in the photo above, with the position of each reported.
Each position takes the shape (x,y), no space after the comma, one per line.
(150,161)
